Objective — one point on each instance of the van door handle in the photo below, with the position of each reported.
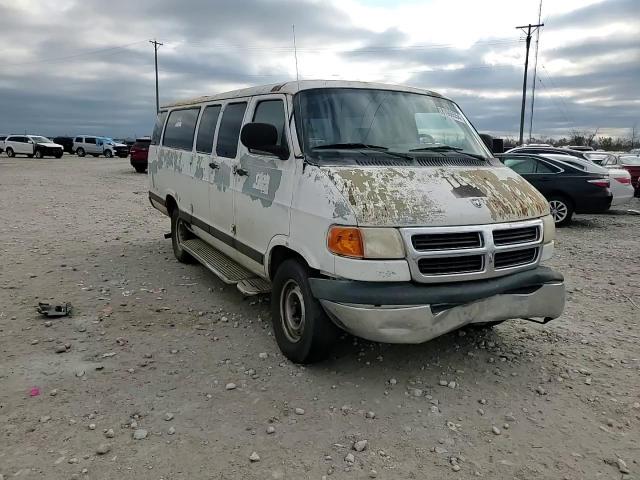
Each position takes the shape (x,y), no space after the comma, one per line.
(240,171)
(214,165)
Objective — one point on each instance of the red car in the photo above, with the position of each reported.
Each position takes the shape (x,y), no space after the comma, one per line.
(631,163)
(139,153)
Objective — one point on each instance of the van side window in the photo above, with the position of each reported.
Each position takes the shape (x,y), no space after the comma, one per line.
(157,128)
(90,140)
(78,140)
(272,112)
(207,129)
(229,131)
(181,128)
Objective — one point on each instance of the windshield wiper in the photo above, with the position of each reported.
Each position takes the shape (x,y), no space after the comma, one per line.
(362,146)
(446,148)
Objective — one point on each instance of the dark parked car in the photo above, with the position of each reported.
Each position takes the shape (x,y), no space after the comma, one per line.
(139,153)
(66,142)
(540,149)
(567,188)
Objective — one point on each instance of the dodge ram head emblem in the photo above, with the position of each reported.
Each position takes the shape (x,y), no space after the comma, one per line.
(476,202)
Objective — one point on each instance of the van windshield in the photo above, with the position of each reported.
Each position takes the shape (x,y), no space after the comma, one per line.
(396,121)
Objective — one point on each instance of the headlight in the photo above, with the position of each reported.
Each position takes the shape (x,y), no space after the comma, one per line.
(365,242)
(548,229)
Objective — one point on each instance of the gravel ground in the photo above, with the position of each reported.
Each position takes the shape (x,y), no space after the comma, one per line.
(166,373)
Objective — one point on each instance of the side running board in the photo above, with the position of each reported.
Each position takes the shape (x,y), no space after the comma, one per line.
(228,270)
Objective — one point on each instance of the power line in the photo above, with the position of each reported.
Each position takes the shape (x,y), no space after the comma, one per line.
(82,54)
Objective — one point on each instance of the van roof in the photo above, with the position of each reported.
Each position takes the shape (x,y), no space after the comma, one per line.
(294,87)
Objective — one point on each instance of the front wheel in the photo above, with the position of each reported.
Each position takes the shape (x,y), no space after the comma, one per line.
(561,210)
(38,154)
(108,154)
(304,332)
(180,233)
(10,152)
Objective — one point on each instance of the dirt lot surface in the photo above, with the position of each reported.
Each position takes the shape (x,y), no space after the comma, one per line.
(165,351)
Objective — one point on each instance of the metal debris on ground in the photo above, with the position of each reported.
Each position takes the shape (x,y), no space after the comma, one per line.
(54,310)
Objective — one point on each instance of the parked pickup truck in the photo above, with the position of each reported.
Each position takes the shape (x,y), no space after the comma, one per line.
(370,208)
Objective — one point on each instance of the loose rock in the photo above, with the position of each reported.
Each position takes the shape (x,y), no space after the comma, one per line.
(140,434)
(103,449)
(360,445)
(254,457)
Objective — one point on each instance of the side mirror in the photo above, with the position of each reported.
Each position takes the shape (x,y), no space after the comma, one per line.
(487,140)
(263,137)
(498,145)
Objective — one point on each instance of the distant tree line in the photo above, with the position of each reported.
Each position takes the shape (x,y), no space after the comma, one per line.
(587,138)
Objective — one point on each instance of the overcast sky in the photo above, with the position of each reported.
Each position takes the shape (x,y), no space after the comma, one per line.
(85,66)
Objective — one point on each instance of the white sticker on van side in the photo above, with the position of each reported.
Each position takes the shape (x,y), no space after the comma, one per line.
(261,183)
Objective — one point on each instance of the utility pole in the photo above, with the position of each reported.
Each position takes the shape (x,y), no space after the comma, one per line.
(156,45)
(535,74)
(526,67)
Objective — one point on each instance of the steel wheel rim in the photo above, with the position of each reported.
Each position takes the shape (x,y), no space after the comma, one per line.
(558,210)
(181,232)
(292,311)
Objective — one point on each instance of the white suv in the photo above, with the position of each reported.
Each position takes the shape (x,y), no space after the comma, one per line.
(32,146)
(95,146)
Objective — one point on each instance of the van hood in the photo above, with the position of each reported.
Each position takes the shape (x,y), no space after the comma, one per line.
(443,196)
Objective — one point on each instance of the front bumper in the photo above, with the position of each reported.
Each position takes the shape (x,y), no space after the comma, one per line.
(409,313)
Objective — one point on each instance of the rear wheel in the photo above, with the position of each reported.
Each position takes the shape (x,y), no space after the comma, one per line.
(561,210)
(10,152)
(304,332)
(80,152)
(180,233)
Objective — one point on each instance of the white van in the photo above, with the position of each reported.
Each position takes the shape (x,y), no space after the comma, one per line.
(370,208)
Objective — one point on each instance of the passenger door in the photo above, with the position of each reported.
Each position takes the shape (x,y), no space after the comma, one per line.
(263,183)
(222,178)
(24,146)
(90,145)
(527,167)
(206,165)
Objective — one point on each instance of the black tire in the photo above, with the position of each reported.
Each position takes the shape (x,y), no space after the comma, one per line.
(307,334)
(179,232)
(29,155)
(38,154)
(561,210)
(59,155)
(10,152)
(108,153)
(140,169)
(80,152)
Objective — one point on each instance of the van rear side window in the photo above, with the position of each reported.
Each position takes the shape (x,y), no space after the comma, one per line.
(229,131)
(181,127)
(207,129)
(157,128)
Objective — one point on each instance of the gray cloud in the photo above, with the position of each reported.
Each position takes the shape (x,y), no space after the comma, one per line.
(59,89)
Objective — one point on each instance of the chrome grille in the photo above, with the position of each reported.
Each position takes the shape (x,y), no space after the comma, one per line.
(448,254)
(511,236)
(446,241)
(514,258)
(450,265)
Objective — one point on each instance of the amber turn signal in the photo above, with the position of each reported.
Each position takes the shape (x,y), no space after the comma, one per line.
(346,241)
